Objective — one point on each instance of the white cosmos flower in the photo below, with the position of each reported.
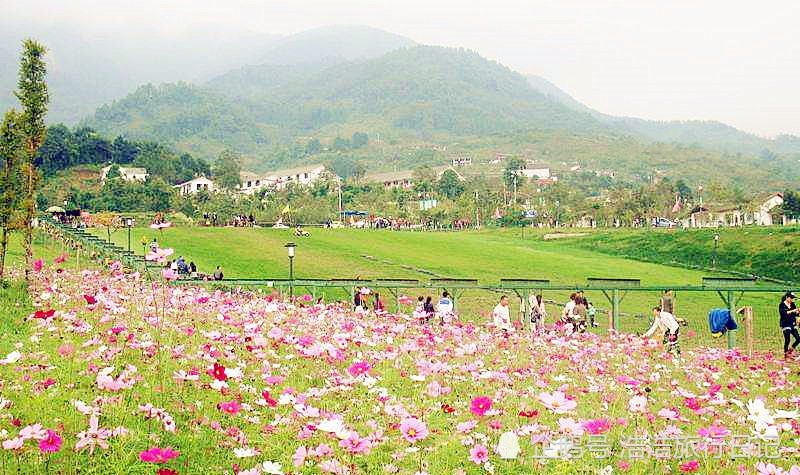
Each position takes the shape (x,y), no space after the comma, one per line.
(244,452)
(271,467)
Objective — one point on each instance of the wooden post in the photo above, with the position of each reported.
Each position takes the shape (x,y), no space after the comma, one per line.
(611,321)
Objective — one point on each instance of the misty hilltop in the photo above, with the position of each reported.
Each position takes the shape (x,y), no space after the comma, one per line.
(260,94)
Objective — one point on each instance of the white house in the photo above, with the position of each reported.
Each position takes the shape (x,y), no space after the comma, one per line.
(126,173)
(196,184)
(304,176)
(763,217)
(541,173)
(251,183)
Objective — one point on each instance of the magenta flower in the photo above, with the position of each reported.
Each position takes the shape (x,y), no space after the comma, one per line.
(158,455)
(480,405)
(51,442)
(597,426)
(232,408)
(357,369)
(690,466)
(479,454)
(38,264)
(413,429)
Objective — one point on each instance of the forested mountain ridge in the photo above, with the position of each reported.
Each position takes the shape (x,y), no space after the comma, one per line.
(425,89)
(708,134)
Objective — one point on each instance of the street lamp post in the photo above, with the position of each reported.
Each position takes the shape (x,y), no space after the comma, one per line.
(129,224)
(290,248)
(714,258)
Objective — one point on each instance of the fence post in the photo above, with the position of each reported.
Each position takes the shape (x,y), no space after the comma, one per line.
(731,305)
(748,328)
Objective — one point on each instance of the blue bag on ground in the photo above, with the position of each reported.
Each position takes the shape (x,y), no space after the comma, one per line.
(720,320)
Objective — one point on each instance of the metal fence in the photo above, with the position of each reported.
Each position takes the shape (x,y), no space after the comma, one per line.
(624,304)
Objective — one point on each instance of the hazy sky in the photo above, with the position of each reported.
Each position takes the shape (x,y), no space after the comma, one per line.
(733,61)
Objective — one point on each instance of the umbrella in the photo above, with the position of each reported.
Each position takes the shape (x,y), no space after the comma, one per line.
(55,209)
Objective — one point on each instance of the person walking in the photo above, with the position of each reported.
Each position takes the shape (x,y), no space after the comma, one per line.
(538,312)
(788,320)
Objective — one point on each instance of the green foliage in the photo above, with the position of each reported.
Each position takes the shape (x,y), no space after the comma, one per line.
(450,185)
(511,175)
(791,204)
(227,170)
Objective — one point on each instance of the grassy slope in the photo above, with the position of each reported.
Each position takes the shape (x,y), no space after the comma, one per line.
(772,252)
(486,255)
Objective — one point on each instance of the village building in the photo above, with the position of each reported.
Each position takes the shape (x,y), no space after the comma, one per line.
(304,176)
(126,173)
(196,184)
(766,213)
(404,179)
(538,173)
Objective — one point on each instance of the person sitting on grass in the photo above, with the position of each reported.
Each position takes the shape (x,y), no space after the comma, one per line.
(666,322)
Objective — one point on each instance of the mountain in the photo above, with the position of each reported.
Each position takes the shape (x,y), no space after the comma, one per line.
(422,90)
(342,42)
(87,70)
(708,134)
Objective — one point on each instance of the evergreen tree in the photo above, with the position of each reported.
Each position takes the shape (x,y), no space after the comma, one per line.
(10,180)
(33,96)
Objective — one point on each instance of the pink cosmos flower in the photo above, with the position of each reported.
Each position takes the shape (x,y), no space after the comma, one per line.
(413,429)
(557,402)
(13,444)
(597,426)
(479,454)
(94,436)
(466,427)
(169,274)
(232,408)
(159,255)
(300,456)
(764,468)
(158,455)
(480,405)
(568,426)
(34,431)
(51,443)
(690,466)
(638,404)
(357,369)
(37,265)
(60,259)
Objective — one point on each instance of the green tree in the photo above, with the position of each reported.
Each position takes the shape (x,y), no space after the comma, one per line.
(450,185)
(10,180)
(33,96)
(511,175)
(227,169)
(791,204)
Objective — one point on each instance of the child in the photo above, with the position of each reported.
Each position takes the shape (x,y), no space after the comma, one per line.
(419,310)
(666,322)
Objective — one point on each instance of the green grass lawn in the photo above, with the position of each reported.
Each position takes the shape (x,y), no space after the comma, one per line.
(487,255)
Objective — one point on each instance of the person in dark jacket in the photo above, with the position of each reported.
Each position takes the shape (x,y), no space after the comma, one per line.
(788,312)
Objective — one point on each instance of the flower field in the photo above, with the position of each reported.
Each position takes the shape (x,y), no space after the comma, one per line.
(112,373)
